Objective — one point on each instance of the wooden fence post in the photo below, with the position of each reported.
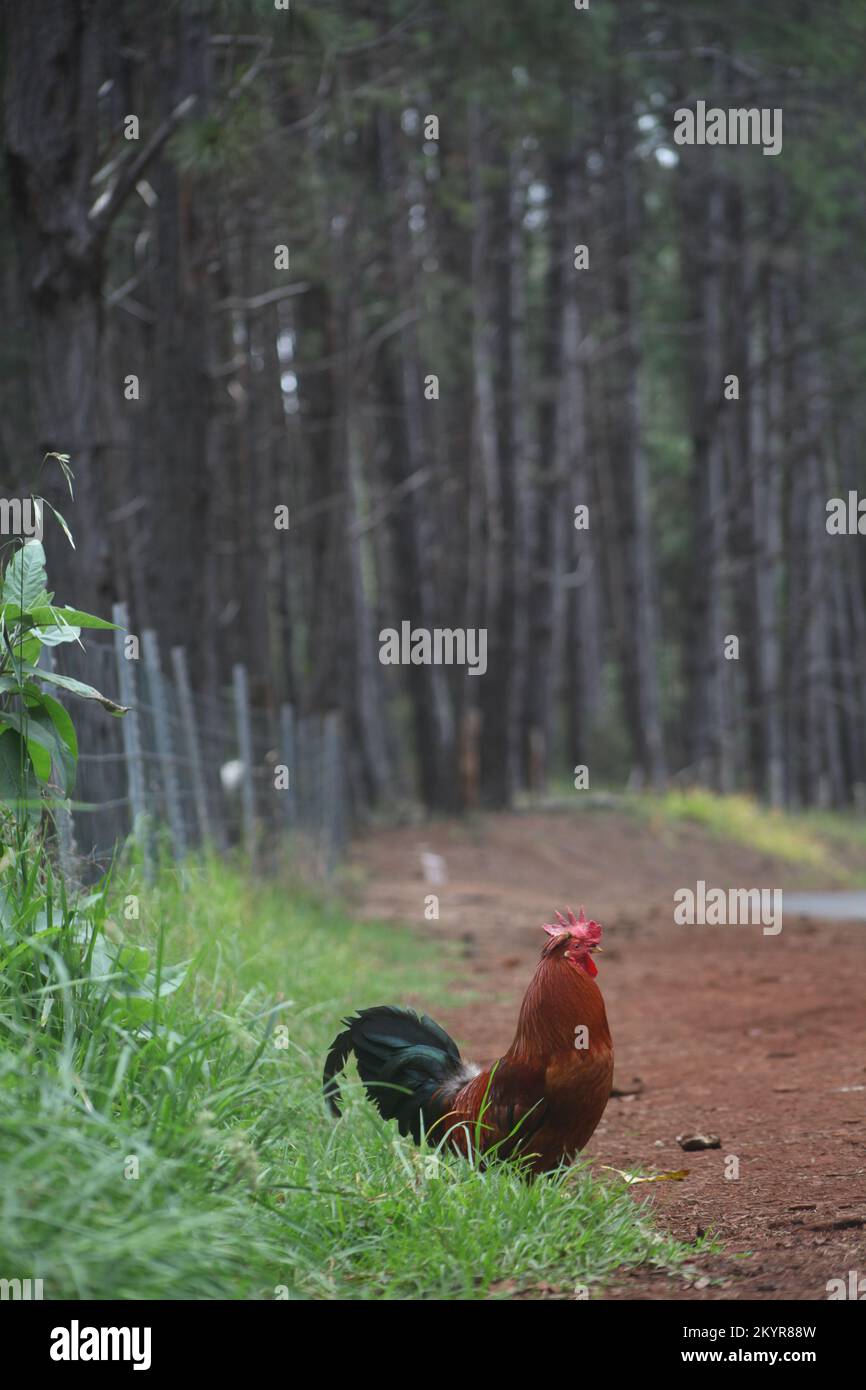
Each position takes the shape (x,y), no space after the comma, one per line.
(164,745)
(66,847)
(333,781)
(310,781)
(131,727)
(287,750)
(245,748)
(190,737)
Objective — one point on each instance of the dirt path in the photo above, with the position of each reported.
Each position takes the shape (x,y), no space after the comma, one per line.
(758,1039)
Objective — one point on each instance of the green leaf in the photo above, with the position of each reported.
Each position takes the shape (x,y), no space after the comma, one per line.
(51,624)
(53,636)
(41,740)
(63,460)
(57,615)
(86,692)
(60,521)
(19,791)
(134,960)
(54,719)
(40,758)
(25,726)
(138,994)
(28,650)
(62,722)
(25,578)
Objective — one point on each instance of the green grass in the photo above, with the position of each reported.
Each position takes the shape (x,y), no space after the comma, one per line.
(162,1133)
(827,847)
(812,840)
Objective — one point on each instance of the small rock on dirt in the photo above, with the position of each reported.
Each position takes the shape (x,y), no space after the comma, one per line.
(691,1142)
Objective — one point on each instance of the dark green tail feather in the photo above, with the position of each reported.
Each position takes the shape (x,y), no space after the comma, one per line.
(403,1059)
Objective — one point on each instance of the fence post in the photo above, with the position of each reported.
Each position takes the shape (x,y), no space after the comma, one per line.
(164,748)
(287,749)
(66,847)
(310,739)
(245,748)
(190,737)
(131,727)
(333,779)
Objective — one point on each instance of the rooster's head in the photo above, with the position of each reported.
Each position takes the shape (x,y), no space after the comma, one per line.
(578,938)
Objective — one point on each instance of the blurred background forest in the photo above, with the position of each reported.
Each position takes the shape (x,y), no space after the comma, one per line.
(303,378)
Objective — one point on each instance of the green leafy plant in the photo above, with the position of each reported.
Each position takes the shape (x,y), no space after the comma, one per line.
(57,957)
(38,742)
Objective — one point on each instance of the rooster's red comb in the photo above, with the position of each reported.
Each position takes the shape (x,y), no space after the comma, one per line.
(588,931)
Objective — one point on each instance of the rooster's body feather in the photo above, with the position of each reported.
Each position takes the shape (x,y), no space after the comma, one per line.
(542,1099)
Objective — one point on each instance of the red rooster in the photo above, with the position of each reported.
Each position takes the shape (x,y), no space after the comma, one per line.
(541,1101)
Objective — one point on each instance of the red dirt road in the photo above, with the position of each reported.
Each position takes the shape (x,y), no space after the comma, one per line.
(758,1039)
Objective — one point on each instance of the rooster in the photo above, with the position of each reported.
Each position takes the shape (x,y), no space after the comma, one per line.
(540,1102)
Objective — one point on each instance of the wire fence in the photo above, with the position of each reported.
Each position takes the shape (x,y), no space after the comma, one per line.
(200,768)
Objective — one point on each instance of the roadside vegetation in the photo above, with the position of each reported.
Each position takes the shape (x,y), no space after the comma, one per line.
(162,1131)
(831,844)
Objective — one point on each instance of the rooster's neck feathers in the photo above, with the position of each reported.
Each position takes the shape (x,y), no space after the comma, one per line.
(560,998)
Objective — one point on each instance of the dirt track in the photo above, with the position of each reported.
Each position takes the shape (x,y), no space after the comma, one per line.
(758,1039)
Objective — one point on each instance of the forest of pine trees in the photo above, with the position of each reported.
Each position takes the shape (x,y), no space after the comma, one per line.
(438,279)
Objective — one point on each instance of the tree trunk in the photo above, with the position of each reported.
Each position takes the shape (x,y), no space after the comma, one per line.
(703,253)
(642,700)
(411,467)
(53,55)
